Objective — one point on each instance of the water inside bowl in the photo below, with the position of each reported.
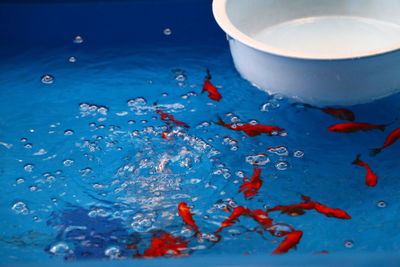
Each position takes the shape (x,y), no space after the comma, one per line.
(332,36)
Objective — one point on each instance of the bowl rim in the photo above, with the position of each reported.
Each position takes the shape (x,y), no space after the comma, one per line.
(222,18)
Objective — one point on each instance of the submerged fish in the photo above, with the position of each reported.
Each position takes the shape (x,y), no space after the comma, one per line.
(290,241)
(166,244)
(390,140)
(251,186)
(170,118)
(210,88)
(234,217)
(187,216)
(352,127)
(250,129)
(340,113)
(308,204)
(371,179)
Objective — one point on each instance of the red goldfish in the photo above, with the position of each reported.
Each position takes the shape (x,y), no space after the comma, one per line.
(291,240)
(210,88)
(308,204)
(391,139)
(237,212)
(294,210)
(165,136)
(261,217)
(166,244)
(371,179)
(250,129)
(251,186)
(187,216)
(352,127)
(167,117)
(340,113)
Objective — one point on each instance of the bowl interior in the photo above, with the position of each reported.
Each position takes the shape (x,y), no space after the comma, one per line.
(321,29)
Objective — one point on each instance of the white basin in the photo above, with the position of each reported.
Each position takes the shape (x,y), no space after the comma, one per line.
(322,52)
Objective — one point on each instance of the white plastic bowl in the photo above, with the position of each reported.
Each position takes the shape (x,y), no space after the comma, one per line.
(321,52)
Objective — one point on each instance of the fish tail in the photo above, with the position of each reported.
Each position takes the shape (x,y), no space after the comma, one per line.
(208,76)
(220,121)
(303,104)
(357,160)
(375,151)
(382,127)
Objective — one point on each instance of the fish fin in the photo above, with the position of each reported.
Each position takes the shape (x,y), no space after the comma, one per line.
(355,162)
(375,151)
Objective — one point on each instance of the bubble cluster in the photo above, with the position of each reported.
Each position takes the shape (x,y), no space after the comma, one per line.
(258,159)
(20,207)
(279,150)
(142,222)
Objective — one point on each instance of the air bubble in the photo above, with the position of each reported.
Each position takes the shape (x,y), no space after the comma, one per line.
(279,150)
(47,79)
(33,188)
(381,204)
(20,208)
(72,59)
(68,162)
(298,154)
(349,244)
(131,122)
(29,167)
(259,159)
(167,31)
(68,132)
(180,77)
(59,248)
(142,222)
(281,165)
(113,252)
(78,39)
(28,145)
(253,122)
(24,140)
(20,180)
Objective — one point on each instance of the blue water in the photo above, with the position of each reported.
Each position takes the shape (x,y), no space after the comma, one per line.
(84,169)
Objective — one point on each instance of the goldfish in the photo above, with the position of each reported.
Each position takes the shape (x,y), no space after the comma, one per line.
(187,216)
(371,178)
(250,129)
(236,213)
(339,113)
(352,127)
(210,88)
(251,186)
(166,244)
(308,205)
(331,212)
(390,140)
(290,241)
(294,210)
(261,217)
(165,136)
(170,118)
